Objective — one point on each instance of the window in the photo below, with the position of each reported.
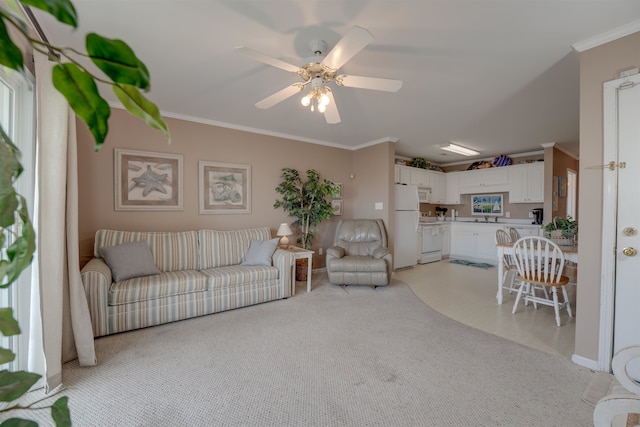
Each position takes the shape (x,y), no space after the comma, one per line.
(17,118)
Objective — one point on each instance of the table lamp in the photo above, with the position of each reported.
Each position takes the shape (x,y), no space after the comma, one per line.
(284,230)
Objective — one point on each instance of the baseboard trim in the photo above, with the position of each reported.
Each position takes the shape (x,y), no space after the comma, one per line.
(587,363)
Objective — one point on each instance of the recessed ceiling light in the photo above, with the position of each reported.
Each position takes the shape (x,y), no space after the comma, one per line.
(460,150)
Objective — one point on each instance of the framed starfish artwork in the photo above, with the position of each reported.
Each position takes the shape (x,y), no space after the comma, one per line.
(147,181)
(225,188)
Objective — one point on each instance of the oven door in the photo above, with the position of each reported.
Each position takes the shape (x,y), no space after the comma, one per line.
(431,244)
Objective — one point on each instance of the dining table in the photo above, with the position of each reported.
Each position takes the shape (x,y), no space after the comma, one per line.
(570,254)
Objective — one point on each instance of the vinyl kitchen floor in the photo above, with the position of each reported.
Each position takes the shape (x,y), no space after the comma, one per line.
(468,295)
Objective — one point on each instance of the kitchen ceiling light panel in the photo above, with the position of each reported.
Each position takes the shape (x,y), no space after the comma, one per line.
(460,150)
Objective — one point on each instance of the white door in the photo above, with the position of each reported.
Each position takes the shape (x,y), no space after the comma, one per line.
(627,259)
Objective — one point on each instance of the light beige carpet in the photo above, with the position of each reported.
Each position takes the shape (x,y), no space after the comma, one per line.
(336,356)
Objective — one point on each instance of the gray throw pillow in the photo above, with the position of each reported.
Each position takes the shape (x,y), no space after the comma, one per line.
(260,252)
(129,260)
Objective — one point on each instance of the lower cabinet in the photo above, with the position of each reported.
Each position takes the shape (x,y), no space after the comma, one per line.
(445,230)
(474,242)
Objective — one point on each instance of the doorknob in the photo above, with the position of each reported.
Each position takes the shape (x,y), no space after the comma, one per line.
(629,251)
(630,231)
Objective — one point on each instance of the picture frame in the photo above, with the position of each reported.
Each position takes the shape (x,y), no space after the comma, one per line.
(147,181)
(337,207)
(487,205)
(224,188)
(339,195)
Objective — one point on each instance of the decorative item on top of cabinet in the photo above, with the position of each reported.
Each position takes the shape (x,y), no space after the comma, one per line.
(421,163)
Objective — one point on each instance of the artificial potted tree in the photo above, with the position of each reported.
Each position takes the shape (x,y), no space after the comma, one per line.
(307,202)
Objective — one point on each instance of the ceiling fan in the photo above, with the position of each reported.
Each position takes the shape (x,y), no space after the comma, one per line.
(320,70)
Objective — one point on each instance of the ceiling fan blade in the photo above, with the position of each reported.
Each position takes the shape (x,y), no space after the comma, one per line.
(279,96)
(331,114)
(374,83)
(266,59)
(351,43)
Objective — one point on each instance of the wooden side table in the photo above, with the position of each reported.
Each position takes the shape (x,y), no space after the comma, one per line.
(301,253)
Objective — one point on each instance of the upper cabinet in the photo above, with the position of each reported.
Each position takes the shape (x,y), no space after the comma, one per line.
(452,194)
(419,177)
(437,181)
(402,174)
(526,183)
(484,180)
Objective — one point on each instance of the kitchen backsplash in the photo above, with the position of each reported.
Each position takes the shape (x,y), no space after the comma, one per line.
(516,210)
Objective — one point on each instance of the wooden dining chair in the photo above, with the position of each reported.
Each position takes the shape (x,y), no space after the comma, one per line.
(510,269)
(514,234)
(540,262)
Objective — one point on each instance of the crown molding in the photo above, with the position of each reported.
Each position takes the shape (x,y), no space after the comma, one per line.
(607,37)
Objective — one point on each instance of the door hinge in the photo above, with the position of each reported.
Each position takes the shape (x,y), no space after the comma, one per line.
(626,85)
(611,166)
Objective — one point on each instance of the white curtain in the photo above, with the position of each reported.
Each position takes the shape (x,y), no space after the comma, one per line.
(66,324)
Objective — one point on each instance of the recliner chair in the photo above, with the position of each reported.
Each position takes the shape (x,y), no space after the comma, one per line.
(359,255)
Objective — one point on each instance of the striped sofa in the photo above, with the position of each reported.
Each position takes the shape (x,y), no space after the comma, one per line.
(200,273)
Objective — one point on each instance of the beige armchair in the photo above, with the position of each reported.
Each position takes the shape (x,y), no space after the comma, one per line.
(359,255)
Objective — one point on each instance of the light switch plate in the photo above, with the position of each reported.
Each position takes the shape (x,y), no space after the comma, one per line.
(379,206)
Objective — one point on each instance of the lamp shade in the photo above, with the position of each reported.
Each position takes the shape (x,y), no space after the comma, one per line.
(284,230)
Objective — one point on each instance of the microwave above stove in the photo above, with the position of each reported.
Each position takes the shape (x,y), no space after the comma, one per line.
(424,195)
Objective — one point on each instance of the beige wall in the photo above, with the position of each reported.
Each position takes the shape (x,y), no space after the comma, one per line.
(266,155)
(597,66)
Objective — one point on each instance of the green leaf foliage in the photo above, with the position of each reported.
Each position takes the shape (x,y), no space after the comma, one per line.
(305,200)
(6,356)
(10,169)
(20,252)
(19,422)
(60,412)
(15,384)
(141,107)
(10,54)
(62,10)
(8,325)
(117,60)
(81,92)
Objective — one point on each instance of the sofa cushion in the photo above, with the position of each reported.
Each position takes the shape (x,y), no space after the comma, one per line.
(236,275)
(166,284)
(358,264)
(223,248)
(171,251)
(129,260)
(260,252)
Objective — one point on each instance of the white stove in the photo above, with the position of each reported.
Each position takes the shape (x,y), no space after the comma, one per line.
(431,244)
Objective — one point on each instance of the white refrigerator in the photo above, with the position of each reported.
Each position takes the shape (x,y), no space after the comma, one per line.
(407,217)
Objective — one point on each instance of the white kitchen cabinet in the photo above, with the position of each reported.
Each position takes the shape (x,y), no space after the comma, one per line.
(437,183)
(452,188)
(526,183)
(445,230)
(484,180)
(402,174)
(419,177)
(525,230)
(474,241)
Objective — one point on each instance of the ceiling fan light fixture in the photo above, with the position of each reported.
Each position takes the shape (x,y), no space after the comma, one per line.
(317,98)
(454,148)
